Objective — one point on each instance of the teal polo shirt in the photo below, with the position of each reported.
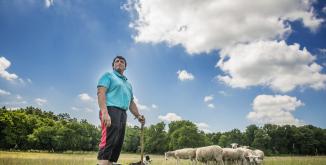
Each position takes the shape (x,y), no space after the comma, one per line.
(119,91)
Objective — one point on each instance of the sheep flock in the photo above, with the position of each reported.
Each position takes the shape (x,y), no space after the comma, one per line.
(239,155)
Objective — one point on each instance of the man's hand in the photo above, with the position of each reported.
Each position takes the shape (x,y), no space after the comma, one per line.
(141,119)
(106,119)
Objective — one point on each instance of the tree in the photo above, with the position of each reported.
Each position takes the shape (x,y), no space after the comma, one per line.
(262,141)
(235,136)
(223,141)
(183,134)
(249,134)
(307,143)
(44,138)
(132,139)
(214,137)
(156,139)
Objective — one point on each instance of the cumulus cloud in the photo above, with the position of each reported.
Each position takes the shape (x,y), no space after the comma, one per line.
(83,109)
(140,106)
(204,127)
(170,117)
(324,9)
(184,75)
(89,109)
(14,108)
(75,109)
(322,53)
(223,93)
(19,97)
(40,101)
(208,98)
(48,3)
(212,106)
(29,80)
(276,109)
(9,99)
(4,93)
(274,64)
(130,124)
(203,26)
(85,103)
(85,97)
(5,64)
(154,106)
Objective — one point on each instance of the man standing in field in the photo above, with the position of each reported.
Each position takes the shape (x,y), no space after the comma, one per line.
(115,97)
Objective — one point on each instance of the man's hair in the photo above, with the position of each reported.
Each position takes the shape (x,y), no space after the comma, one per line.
(119,57)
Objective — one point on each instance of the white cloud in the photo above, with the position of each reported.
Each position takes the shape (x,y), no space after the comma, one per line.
(203,26)
(322,50)
(84,109)
(154,106)
(29,80)
(4,93)
(322,53)
(85,97)
(40,101)
(89,109)
(140,106)
(324,9)
(85,103)
(5,64)
(204,127)
(75,109)
(13,108)
(211,106)
(18,97)
(184,75)
(131,124)
(274,64)
(276,109)
(48,3)
(11,100)
(170,117)
(22,102)
(21,81)
(223,93)
(208,98)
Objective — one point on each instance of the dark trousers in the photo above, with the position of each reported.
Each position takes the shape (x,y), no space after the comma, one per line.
(113,136)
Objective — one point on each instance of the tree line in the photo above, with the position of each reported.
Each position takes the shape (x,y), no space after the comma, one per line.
(31,128)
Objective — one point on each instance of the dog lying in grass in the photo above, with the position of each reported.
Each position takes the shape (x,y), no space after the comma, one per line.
(147,161)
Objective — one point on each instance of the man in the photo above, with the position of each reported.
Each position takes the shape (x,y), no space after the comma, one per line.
(115,97)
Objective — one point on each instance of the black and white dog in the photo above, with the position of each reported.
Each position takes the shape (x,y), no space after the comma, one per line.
(147,161)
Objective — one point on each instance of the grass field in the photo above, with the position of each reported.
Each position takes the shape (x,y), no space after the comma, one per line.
(28,158)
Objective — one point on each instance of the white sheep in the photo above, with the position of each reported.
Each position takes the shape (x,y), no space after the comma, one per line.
(234,145)
(209,153)
(186,153)
(249,156)
(169,154)
(259,156)
(233,155)
(244,154)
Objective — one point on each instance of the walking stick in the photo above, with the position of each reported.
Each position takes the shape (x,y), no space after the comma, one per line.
(141,162)
(142,143)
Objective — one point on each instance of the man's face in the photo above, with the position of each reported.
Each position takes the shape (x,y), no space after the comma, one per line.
(119,64)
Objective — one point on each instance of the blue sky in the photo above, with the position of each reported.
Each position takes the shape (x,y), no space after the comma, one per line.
(220,64)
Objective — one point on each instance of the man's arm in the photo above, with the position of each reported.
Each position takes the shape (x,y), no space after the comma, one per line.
(134,110)
(101,97)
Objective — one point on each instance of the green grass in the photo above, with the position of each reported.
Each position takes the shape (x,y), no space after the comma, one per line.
(31,158)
